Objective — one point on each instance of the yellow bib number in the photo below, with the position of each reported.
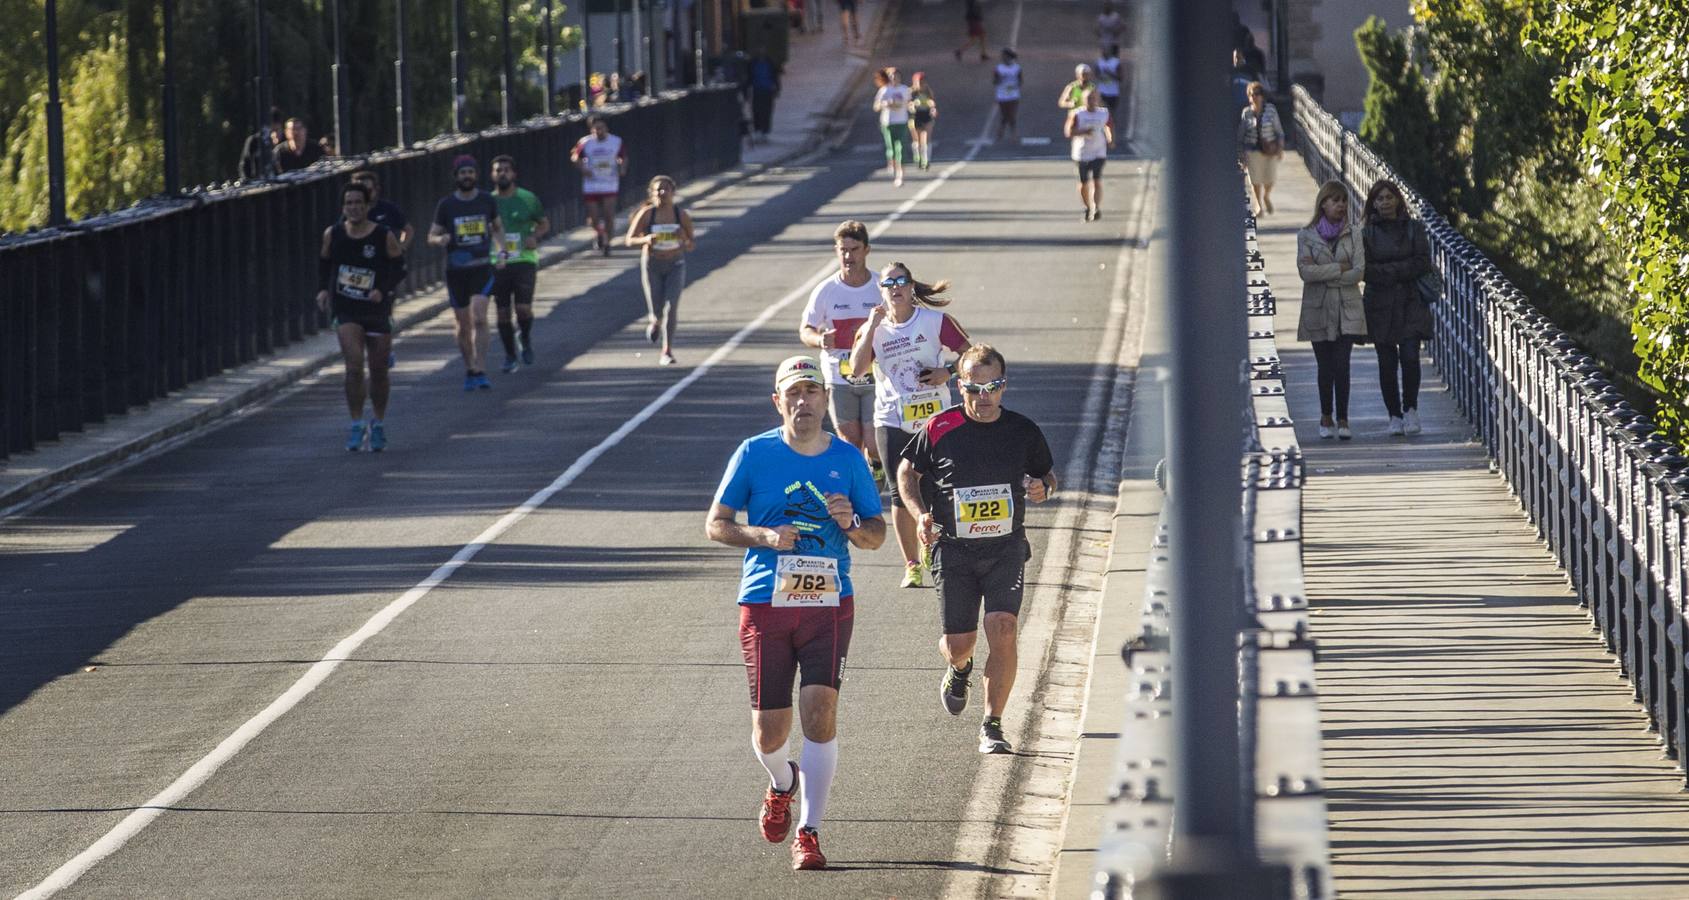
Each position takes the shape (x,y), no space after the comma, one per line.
(985,511)
(920,406)
(806,581)
(471,227)
(356,281)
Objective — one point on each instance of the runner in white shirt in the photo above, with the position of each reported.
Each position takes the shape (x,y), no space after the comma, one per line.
(1111,27)
(603,161)
(892,103)
(837,309)
(905,341)
(1091,131)
(1006,79)
(1108,77)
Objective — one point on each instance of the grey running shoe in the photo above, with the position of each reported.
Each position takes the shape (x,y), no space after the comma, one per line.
(991,738)
(953,690)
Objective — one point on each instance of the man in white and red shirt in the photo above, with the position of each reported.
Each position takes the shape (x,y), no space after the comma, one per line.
(837,307)
(603,161)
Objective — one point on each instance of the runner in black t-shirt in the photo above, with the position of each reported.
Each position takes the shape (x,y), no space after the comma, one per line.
(358,269)
(983,463)
(467,224)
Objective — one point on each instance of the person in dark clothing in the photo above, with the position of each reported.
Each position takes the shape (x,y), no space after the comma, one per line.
(764,78)
(256,155)
(1398,252)
(297,152)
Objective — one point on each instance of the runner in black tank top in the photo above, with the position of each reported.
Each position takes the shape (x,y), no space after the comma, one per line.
(360,265)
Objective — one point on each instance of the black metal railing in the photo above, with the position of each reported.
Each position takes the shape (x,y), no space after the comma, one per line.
(1282,778)
(115,311)
(1609,495)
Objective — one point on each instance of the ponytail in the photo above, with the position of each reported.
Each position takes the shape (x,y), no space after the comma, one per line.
(926,294)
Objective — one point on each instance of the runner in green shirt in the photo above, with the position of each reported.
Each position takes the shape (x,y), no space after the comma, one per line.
(525,225)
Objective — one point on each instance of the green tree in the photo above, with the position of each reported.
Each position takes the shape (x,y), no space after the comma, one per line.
(1626,73)
(109,162)
(1396,121)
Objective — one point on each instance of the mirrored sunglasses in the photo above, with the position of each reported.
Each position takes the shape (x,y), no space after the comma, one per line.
(895,281)
(989,387)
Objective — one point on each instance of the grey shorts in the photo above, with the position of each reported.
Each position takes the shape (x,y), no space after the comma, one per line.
(852,403)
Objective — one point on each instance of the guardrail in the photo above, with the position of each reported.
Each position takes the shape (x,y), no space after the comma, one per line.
(1278,711)
(1608,494)
(117,310)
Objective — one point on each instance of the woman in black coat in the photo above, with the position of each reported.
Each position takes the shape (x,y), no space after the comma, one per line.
(1398,251)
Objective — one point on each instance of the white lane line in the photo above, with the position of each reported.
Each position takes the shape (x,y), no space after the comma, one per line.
(189,781)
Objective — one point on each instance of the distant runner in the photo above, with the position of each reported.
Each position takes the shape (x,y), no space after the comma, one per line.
(603,160)
(837,308)
(1092,132)
(525,225)
(466,223)
(905,341)
(892,103)
(982,463)
(385,212)
(808,498)
(1108,77)
(923,111)
(1006,79)
(1073,94)
(663,231)
(975,20)
(360,266)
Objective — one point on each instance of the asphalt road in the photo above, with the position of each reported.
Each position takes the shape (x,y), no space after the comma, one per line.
(565,715)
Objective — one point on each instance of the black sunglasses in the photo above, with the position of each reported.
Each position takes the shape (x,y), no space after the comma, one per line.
(895,281)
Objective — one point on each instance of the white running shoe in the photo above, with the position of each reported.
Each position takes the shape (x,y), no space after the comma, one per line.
(1326,433)
(1410,422)
(1396,425)
(1343,432)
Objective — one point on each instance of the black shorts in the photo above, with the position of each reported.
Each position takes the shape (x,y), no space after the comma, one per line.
(514,282)
(847,6)
(922,118)
(966,575)
(1092,169)
(779,642)
(375,319)
(472,281)
(1109,103)
(890,442)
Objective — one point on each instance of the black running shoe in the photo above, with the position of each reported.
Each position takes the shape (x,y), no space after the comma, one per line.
(991,738)
(953,690)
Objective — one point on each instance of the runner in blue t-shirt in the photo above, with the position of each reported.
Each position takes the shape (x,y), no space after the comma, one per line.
(808,498)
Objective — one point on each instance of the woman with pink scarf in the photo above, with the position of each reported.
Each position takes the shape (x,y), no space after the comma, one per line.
(1331,261)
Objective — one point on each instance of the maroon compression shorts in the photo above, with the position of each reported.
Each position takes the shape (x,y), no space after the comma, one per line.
(781,642)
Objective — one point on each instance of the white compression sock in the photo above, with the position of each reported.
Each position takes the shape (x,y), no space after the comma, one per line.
(779,770)
(817,765)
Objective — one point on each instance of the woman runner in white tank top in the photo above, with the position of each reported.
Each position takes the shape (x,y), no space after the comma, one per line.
(907,340)
(1006,79)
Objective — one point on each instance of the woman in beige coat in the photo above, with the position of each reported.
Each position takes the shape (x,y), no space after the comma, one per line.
(1331,260)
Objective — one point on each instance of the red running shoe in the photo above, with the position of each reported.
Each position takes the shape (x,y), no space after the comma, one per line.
(776,816)
(806,850)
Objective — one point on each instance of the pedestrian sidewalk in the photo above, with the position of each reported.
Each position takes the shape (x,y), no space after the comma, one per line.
(812,102)
(820,80)
(1479,741)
